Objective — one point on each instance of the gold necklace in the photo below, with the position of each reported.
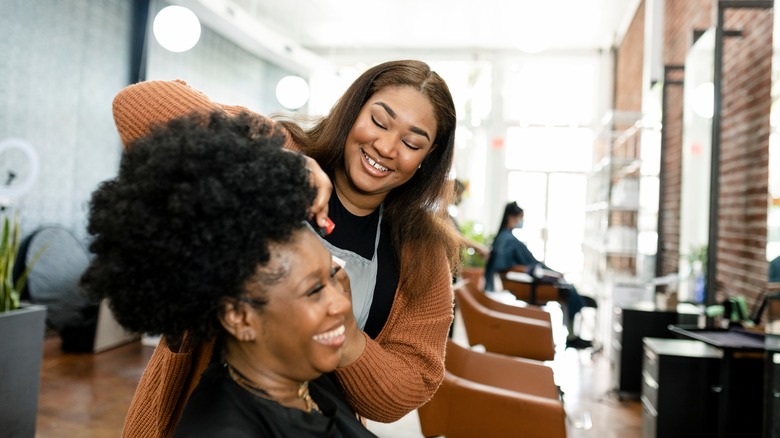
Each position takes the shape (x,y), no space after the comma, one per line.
(303,389)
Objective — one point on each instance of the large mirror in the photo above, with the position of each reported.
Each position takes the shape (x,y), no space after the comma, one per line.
(698,102)
(773,210)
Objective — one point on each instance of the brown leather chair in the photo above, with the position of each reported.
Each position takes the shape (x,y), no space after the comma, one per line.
(526,290)
(523,291)
(527,310)
(504,333)
(490,395)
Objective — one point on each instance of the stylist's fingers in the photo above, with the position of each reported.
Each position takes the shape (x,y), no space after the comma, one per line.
(355,339)
(319,179)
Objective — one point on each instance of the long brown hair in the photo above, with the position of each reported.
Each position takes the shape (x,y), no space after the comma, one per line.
(415,211)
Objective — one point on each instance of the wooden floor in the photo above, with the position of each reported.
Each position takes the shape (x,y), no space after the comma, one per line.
(86,395)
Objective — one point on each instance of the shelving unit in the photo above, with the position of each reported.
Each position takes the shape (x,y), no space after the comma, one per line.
(621,214)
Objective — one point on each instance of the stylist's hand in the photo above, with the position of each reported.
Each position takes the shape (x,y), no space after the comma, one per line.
(319,179)
(355,339)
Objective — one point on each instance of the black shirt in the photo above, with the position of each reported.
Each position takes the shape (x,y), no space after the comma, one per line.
(219,407)
(358,234)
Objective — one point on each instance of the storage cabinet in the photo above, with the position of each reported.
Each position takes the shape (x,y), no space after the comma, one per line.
(629,325)
(772,395)
(678,381)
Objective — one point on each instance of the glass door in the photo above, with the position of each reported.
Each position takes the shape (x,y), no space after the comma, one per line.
(554,220)
(547,176)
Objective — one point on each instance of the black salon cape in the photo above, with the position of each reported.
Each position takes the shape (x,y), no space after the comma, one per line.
(220,408)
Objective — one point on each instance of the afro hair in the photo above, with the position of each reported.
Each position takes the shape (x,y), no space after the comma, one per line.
(189,219)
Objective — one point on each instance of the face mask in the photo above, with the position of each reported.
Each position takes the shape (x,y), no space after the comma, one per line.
(519,224)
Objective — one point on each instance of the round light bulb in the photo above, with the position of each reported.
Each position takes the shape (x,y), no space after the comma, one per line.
(292,92)
(176,28)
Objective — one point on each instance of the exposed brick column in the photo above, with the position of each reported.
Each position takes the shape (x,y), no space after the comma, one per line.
(744,154)
(668,253)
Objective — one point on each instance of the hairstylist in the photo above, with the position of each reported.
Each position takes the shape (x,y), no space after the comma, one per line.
(387,146)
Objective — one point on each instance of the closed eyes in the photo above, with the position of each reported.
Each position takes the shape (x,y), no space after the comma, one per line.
(380,126)
(316,289)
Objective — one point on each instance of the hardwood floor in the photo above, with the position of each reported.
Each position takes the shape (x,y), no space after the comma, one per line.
(86,395)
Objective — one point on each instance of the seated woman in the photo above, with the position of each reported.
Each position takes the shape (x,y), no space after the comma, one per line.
(507,252)
(203,232)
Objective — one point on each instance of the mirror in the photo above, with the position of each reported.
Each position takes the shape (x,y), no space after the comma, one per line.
(773,209)
(698,100)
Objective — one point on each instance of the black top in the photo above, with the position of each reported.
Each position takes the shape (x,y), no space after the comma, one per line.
(219,407)
(358,234)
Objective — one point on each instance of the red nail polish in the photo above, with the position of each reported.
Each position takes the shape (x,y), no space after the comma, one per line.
(329,226)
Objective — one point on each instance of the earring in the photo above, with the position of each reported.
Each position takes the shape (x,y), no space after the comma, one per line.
(419,166)
(247,336)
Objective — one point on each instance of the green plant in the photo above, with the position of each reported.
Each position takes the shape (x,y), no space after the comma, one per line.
(9,249)
(473,231)
(698,254)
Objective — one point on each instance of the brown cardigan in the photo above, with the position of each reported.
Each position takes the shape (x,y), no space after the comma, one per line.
(397,372)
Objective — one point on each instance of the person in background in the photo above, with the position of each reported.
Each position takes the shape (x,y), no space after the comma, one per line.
(508,252)
(203,231)
(774,270)
(387,147)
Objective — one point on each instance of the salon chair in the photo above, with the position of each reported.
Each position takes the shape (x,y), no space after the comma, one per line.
(504,333)
(529,287)
(521,308)
(491,395)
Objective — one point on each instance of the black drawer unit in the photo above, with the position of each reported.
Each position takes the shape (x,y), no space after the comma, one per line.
(772,392)
(679,381)
(629,326)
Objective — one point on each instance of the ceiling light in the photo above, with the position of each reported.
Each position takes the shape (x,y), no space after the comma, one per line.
(176,28)
(292,92)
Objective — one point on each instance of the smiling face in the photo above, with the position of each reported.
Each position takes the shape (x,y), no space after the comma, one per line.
(391,136)
(300,329)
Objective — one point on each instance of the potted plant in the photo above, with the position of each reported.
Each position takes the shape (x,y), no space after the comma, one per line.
(473,268)
(22,329)
(697,278)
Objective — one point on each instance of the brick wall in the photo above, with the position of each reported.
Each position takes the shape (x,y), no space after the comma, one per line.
(671,186)
(742,214)
(681,18)
(742,266)
(628,65)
